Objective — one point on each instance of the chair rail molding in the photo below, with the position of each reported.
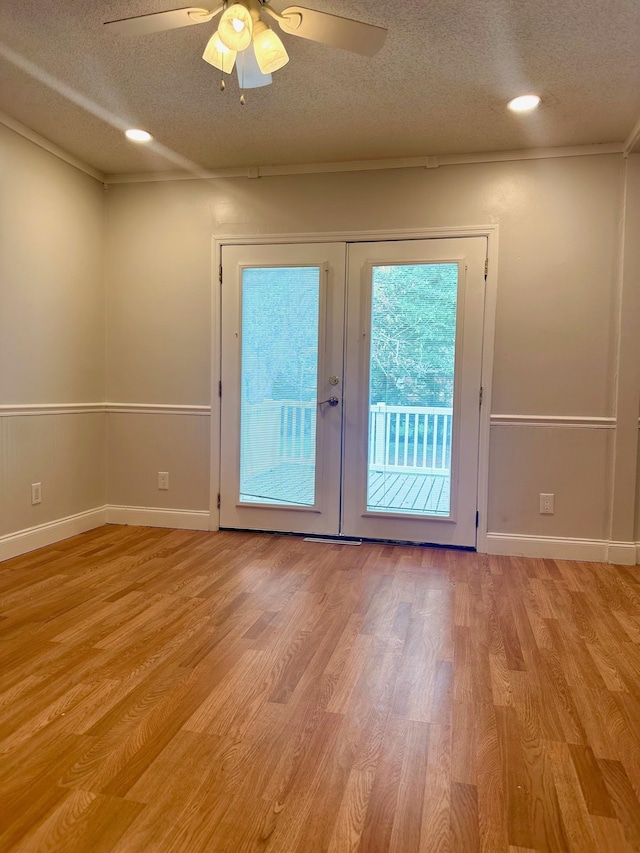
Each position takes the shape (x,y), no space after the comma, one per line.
(27,409)
(571,421)
(156,409)
(19,410)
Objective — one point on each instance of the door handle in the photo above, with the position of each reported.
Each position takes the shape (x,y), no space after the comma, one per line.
(332,401)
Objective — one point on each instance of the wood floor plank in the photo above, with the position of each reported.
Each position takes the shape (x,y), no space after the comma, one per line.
(579,828)
(28,810)
(492,813)
(82,822)
(516,782)
(186,764)
(405,835)
(463,749)
(610,836)
(304,785)
(383,802)
(624,798)
(465,835)
(594,789)
(167,690)
(435,829)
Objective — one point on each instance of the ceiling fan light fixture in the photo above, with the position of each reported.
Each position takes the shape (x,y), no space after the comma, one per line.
(243,41)
(248,71)
(218,54)
(270,52)
(236,27)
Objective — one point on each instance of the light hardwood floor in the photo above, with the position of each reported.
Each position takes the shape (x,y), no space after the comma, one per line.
(221,692)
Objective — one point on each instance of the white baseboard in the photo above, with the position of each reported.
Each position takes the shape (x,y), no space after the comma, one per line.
(154,517)
(589,550)
(622,553)
(506,544)
(23,541)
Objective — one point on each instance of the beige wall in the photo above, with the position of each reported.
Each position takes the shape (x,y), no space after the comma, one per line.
(626,492)
(141,444)
(555,344)
(51,335)
(570,462)
(51,278)
(558,220)
(565,325)
(158,294)
(629,368)
(637,527)
(64,452)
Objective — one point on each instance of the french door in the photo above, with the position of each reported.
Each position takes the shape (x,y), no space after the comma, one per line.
(350,388)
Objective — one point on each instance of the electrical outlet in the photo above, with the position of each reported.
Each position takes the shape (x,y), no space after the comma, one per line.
(36,493)
(163,480)
(546,504)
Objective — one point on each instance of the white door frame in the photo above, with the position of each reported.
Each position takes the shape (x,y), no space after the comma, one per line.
(491,289)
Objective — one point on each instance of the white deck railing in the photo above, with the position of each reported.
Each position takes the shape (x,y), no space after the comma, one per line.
(410,438)
(401,438)
(297,431)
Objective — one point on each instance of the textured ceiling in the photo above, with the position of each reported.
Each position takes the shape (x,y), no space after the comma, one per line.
(437,87)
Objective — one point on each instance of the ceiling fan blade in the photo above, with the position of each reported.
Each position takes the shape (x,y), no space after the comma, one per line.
(249,74)
(345,33)
(158,21)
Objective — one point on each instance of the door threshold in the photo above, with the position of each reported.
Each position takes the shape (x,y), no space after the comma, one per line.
(332,540)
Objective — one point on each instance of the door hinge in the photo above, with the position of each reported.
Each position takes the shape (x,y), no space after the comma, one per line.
(477,518)
(219,501)
(220,273)
(481,395)
(486,269)
(220,388)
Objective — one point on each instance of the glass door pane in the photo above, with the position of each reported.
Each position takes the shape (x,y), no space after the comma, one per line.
(282,326)
(279,382)
(411,388)
(412,381)
(390,450)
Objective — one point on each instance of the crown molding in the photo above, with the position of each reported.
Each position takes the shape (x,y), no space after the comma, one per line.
(41,142)
(427,162)
(252,172)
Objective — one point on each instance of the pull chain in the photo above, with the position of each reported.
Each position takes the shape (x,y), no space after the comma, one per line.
(241,79)
(223,85)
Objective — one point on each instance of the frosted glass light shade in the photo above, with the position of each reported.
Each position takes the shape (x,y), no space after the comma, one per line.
(236,28)
(216,54)
(270,52)
(248,71)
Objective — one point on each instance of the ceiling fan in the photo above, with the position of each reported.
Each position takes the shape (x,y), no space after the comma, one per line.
(243,39)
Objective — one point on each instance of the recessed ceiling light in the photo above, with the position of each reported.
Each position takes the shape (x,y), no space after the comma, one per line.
(136,135)
(524,103)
